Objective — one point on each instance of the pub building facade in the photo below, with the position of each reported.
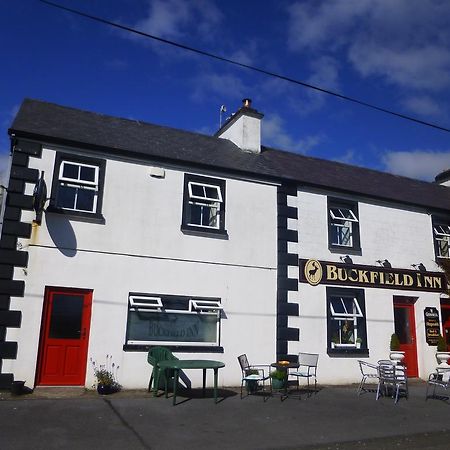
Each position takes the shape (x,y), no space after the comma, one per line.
(120,235)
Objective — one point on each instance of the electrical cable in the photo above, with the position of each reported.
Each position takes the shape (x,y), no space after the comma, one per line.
(246,66)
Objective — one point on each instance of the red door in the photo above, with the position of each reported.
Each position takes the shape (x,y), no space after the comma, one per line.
(64,337)
(445,314)
(405,329)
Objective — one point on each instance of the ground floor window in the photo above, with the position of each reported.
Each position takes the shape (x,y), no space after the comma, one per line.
(346,320)
(155,319)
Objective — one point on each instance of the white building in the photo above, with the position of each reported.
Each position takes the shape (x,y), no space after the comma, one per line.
(211,246)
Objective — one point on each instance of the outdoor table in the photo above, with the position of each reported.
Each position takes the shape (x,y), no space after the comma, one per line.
(185,364)
(284,367)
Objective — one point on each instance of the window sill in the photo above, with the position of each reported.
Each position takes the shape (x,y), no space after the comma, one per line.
(174,348)
(204,232)
(78,215)
(348,351)
(345,250)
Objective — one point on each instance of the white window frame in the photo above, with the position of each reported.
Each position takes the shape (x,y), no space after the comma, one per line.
(442,233)
(339,221)
(347,316)
(194,306)
(77,183)
(207,202)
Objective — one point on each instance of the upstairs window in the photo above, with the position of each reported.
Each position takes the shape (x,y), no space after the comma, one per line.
(343,225)
(77,185)
(441,233)
(204,205)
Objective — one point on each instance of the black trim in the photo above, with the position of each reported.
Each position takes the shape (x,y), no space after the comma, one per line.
(284,283)
(14,257)
(8,350)
(96,216)
(201,231)
(16,228)
(333,202)
(20,201)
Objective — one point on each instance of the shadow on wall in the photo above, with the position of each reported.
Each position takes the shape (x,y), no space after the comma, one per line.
(62,234)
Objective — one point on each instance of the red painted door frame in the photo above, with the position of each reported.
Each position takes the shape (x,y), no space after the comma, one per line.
(64,338)
(405,328)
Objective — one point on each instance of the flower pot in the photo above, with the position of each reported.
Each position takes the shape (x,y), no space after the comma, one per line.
(277,384)
(105,389)
(396,356)
(442,358)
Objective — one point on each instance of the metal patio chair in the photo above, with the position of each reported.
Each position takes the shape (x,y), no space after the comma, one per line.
(369,371)
(392,377)
(440,378)
(307,368)
(255,377)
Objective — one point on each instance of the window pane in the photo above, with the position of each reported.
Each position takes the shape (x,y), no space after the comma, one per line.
(66,314)
(197,190)
(338,306)
(341,234)
(70,171)
(172,327)
(87,174)
(402,328)
(443,247)
(85,199)
(66,197)
(195,216)
(212,192)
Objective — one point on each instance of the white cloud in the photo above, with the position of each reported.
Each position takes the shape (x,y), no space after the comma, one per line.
(275,135)
(424,105)
(406,42)
(421,164)
(221,86)
(174,19)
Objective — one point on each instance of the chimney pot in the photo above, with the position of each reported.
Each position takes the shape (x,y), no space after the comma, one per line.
(247,103)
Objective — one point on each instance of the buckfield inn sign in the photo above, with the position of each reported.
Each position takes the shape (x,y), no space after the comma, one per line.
(317,272)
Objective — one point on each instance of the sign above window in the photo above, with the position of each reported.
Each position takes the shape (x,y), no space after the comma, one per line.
(317,272)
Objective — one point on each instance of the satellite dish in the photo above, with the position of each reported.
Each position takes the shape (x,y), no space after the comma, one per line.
(39,198)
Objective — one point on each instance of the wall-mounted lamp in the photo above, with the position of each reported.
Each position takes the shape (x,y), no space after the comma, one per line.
(346,259)
(419,266)
(384,263)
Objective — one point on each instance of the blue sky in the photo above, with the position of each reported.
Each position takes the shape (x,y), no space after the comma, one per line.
(393,53)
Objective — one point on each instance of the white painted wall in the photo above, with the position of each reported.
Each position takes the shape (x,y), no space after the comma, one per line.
(141,248)
(245,132)
(402,236)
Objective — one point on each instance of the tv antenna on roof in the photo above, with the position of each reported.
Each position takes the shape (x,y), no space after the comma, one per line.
(223,109)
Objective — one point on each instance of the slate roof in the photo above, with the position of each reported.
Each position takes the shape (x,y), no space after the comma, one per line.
(59,124)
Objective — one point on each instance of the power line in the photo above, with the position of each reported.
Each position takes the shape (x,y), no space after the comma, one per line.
(246,66)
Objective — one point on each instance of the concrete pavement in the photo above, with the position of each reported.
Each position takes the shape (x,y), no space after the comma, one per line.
(334,418)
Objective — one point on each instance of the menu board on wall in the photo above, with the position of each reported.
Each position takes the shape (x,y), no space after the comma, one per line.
(432,326)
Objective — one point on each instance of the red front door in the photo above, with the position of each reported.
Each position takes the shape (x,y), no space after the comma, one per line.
(64,337)
(445,314)
(405,329)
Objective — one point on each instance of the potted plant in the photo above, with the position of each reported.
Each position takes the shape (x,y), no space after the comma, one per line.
(442,355)
(251,385)
(358,342)
(106,376)
(396,354)
(278,378)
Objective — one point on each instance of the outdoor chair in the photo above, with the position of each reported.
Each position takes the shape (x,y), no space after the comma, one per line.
(254,376)
(441,379)
(391,377)
(307,368)
(369,371)
(156,355)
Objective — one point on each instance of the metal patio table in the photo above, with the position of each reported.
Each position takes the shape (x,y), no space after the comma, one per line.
(186,364)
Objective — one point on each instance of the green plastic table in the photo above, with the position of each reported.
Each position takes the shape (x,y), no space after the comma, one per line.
(186,364)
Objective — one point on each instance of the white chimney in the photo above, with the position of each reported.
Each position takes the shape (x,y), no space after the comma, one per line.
(443,178)
(244,128)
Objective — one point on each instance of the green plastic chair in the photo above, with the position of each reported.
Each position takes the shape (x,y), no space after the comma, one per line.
(156,355)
